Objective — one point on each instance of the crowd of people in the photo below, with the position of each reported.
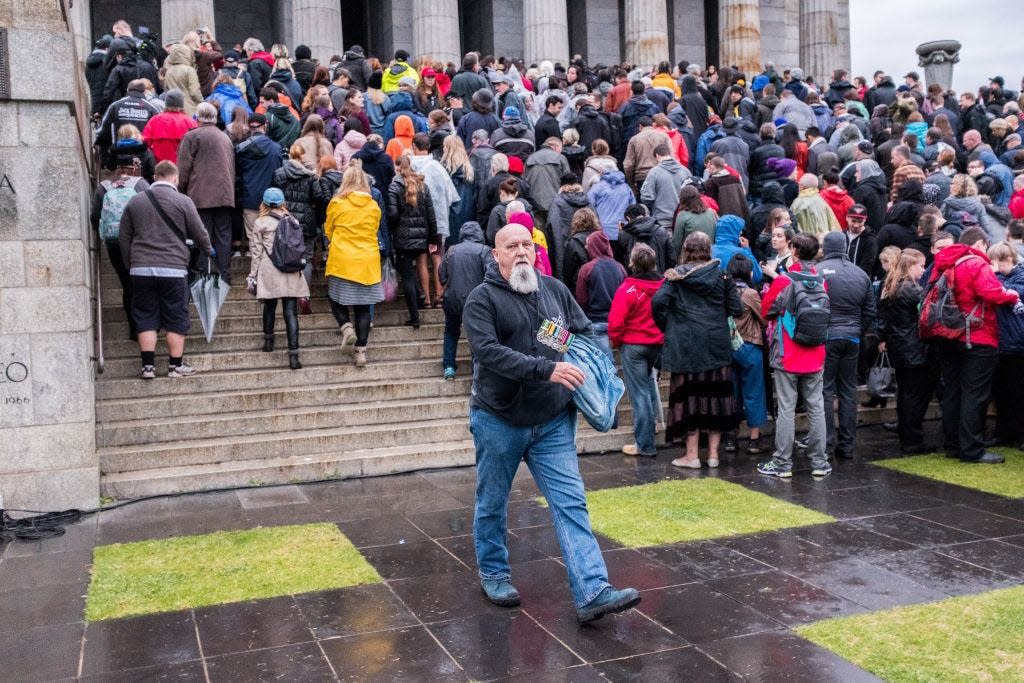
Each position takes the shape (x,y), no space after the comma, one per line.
(761,238)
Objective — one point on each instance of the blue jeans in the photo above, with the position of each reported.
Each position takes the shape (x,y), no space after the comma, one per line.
(637,362)
(550,452)
(452,332)
(600,335)
(748,378)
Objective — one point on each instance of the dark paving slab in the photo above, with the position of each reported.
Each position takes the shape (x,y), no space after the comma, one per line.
(353,610)
(408,560)
(785,598)
(706,559)
(303,662)
(1005,558)
(444,523)
(500,645)
(189,671)
(519,551)
(43,653)
(867,585)
(21,610)
(627,567)
(850,540)
(442,597)
(409,654)
(782,656)
(43,570)
(382,530)
(941,572)
(251,625)
(914,530)
(686,664)
(698,613)
(137,642)
(974,521)
(781,549)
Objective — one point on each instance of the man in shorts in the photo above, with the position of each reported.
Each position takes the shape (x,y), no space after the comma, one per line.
(154,228)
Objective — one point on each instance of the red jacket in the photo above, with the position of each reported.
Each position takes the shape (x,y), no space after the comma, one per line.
(974,282)
(678,145)
(839,201)
(1017,204)
(786,354)
(630,320)
(163,134)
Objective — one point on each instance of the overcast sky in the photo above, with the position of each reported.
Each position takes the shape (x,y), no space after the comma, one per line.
(884,34)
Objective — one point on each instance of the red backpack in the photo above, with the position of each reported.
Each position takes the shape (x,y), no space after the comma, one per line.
(940,317)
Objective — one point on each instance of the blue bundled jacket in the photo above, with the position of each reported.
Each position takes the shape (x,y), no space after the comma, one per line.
(599,395)
(727,244)
(1005,175)
(610,198)
(226,98)
(1011,325)
(713,133)
(401,104)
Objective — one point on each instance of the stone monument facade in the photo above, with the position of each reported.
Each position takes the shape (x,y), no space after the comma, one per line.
(47,409)
(938,57)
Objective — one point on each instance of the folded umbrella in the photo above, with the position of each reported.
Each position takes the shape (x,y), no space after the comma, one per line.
(208,294)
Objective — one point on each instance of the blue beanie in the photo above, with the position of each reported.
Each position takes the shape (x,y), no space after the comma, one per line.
(511,113)
(759,82)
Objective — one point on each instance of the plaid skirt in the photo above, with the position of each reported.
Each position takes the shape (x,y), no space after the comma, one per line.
(701,401)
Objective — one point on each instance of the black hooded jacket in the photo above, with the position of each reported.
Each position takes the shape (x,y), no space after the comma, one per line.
(695,106)
(645,231)
(511,369)
(759,171)
(900,225)
(301,189)
(563,207)
(872,193)
(413,228)
(464,267)
(358,69)
(591,126)
(130,69)
(378,164)
(96,77)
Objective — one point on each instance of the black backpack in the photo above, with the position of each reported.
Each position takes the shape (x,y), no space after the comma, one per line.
(288,254)
(809,308)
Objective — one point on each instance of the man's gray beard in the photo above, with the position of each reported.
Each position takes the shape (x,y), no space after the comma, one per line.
(523,279)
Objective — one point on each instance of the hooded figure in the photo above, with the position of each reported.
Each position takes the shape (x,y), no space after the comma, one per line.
(660,191)
(1001,172)
(645,230)
(513,137)
(695,107)
(226,97)
(180,74)
(598,279)
(402,105)
(727,245)
(464,267)
(901,221)
(610,197)
(354,60)
(567,202)
(349,145)
(396,72)
(480,116)
(402,139)
(813,214)
(871,192)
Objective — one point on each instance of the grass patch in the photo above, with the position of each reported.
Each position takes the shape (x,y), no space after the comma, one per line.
(1002,480)
(690,510)
(970,638)
(227,566)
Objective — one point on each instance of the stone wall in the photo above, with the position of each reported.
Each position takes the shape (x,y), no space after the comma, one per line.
(780,33)
(594,30)
(689,39)
(47,413)
(508,27)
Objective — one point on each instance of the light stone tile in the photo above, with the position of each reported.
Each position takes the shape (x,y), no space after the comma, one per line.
(44,309)
(72,488)
(48,203)
(28,81)
(9,116)
(48,448)
(12,265)
(54,263)
(46,124)
(62,378)
(16,402)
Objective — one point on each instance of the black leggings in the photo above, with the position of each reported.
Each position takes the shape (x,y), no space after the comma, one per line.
(362,324)
(405,264)
(291,319)
(117,261)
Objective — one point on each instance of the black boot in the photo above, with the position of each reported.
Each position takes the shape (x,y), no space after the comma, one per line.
(269,313)
(291,326)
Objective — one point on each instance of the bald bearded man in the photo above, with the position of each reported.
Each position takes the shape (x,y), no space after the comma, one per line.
(517,322)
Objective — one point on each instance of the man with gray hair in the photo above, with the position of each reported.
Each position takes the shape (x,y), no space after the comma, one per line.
(517,323)
(206,174)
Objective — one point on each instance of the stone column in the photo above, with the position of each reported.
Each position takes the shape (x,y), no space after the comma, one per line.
(80,16)
(938,58)
(646,30)
(48,457)
(545,30)
(435,30)
(819,38)
(317,25)
(178,17)
(739,24)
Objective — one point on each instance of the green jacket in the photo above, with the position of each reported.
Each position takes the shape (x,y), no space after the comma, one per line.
(282,127)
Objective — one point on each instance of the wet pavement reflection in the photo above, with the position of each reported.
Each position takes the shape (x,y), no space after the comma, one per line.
(719,609)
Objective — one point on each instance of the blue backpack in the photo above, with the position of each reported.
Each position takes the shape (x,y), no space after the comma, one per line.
(119,192)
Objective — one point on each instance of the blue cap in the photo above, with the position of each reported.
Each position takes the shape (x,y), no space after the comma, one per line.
(273,197)
(511,113)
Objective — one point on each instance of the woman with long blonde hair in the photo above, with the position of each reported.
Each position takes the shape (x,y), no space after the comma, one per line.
(414,230)
(457,163)
(353,259)
(897,331)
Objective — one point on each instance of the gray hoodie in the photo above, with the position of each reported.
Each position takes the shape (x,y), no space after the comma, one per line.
(660,191)
(463,267)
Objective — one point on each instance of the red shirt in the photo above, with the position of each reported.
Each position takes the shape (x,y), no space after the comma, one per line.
(629,319)
(163,134)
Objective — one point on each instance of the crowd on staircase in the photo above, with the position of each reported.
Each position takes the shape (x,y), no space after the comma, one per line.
(764,239)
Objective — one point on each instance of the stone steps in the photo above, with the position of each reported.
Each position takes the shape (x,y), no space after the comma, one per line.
(112,311)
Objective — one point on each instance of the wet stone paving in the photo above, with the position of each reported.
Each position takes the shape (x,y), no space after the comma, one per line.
(712,610)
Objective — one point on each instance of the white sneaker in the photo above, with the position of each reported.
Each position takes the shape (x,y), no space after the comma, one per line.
(237,254)
(712,463)
(183,370)
(687,464)
(148,372)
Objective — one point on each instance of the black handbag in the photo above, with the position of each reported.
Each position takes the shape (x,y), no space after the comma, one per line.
(882,378)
